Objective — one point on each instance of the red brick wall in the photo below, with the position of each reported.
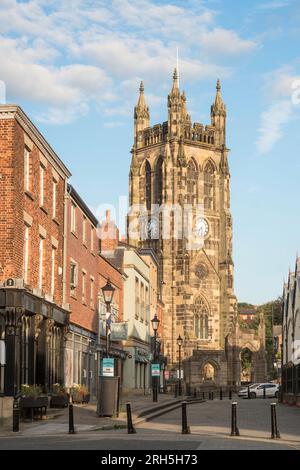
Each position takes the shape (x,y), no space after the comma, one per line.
(7,232)
(95,265)
(14,201)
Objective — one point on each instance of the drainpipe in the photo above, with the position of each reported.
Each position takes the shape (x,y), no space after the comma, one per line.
(65,240)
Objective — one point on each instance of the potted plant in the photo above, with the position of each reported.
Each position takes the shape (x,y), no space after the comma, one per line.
(59,396)
(31,399)
(80,394)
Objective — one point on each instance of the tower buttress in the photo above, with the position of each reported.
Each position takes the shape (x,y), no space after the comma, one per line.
(141,117)
(218,117)
(174,109)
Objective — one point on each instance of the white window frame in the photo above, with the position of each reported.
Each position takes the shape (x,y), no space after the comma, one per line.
(92,290)
(42,184)
(84,230)
(92,238)
(74,285)
(26,252)
(73,217)
(26,169)
(53,260)
(83,286)
(41,261)
(54,198)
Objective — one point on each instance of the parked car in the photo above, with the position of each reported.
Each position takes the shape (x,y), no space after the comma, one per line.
(257,390)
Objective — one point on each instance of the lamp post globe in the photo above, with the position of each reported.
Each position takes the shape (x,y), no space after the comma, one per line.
(108,294)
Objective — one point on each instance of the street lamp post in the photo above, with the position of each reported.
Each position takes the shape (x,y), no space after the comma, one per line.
(108,293)
(155,324)
(179,343)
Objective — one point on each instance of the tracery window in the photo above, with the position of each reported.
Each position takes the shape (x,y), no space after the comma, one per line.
(209,186)
(201,319)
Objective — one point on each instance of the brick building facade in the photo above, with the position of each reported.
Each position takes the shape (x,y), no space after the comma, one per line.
(33,314)
(52,315)
(87,272)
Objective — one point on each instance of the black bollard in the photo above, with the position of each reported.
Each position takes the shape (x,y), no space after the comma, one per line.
(130,428)
(249,393)
(234,428)
(264,392)
(203,395)
(221,394)
(71,419)
(212,395)
(16,415)
(230,394)
(185,427)
(275,434)
(195,393)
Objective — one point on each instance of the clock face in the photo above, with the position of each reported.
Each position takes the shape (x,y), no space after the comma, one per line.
(201,227)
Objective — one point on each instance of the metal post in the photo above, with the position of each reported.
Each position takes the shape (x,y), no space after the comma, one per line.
(249,393)
(71,419)
(154,379)
(212,395)
(106,330)
(230,393)
(16,415)
(195,393)
(130,428)
(185,427)
(179,382)
(275,434)
(264,392)
(221,394)
(234,428)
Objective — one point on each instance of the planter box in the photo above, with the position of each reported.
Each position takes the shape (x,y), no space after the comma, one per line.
(59,401)
(80,398)
(31,405)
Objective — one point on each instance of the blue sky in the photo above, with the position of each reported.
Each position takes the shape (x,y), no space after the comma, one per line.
(75,68)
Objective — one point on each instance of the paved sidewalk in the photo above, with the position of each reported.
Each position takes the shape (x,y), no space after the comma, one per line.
(213,418)
(85,417)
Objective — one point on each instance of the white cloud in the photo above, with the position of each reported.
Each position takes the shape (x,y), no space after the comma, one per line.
(282,82)
(221,41)
(65,55)
(272,123)
(275,5)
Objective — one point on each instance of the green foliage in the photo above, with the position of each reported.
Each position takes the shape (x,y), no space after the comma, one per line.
(272,316)
(30,390)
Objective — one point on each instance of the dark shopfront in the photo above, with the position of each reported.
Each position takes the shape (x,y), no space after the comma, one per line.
(33,332)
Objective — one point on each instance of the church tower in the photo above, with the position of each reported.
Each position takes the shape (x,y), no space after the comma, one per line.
(180,206)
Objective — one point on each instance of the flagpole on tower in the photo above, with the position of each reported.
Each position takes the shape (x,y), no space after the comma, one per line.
(177,64)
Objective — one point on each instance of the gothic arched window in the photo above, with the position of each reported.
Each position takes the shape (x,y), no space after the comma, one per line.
(191,182)
(148,185)
(159,181)
(131,188)
(201,319)
(209,186)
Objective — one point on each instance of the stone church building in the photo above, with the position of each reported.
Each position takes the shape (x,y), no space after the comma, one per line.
(179,193)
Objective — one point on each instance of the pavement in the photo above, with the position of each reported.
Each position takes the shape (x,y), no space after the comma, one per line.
(86,419)
(209,422)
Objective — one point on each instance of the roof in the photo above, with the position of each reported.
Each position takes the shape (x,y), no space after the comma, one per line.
(74,194)
(12,111)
